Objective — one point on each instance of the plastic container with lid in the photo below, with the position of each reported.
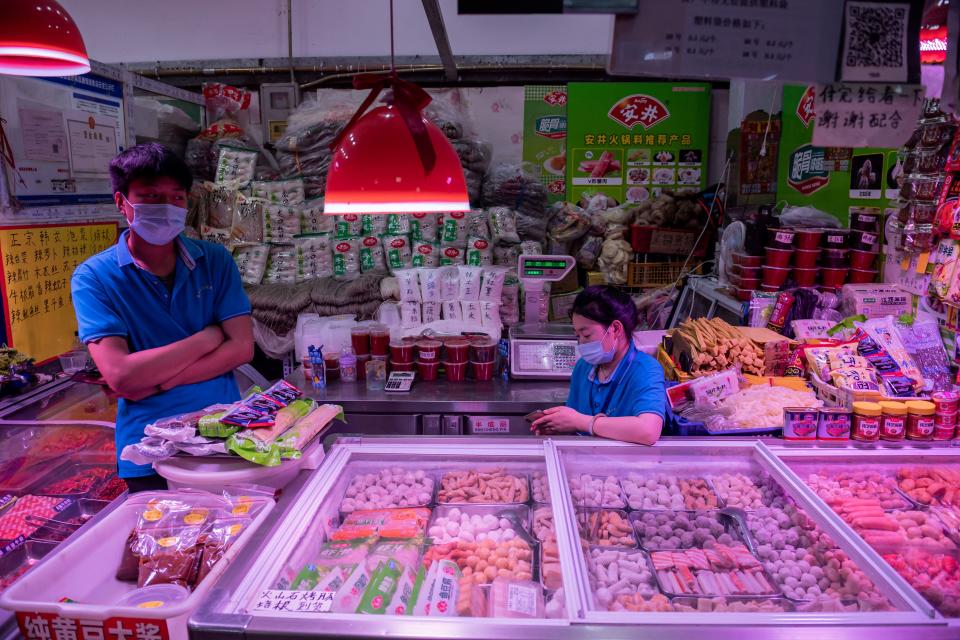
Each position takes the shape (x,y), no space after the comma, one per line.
(920,424)
(331,365)
(866,421)
(808,238)
(456,371)
(402,366)
(348,365)
(806,258)
(835,238)
(775,276)
(427,371)
(944,426)
(428,350)
(457,349)
(401,351)
(893,425)
(362,361)
(483,349)
(747,260)
(946,401)
(154,597)
(778,257)
(482,371)
(805,277)
(863,259)
(781,238)
(379,339)
(360,339)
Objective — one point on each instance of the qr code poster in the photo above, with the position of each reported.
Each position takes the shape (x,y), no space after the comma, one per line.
(875,42)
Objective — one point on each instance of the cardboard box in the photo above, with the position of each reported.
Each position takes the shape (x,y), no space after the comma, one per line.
(595,278)
(569,284)
(776,348)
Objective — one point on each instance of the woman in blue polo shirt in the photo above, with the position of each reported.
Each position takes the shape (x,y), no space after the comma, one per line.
(616,391)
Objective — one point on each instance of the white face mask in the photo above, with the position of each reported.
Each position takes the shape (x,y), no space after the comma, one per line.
(594,353)
(157,224)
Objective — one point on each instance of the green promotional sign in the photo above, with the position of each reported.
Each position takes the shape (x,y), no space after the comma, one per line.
(832,179)
(632,140)
(545,136)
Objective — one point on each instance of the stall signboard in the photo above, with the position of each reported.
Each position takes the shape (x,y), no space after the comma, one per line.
(36,264)
(63,132)
(45,626)
(833,179)
(545,136)
(632,140)
(866,115)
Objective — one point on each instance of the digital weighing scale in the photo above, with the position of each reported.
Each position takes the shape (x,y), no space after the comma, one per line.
(539,350)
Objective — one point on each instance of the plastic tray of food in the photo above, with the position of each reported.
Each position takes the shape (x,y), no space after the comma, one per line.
(730,604)
(660,530)
(21,559)
(77,480)
(475,523)
(588,490)
(26,515)
(542,525)
(744,491)
(930,484)
(389,488)
(486,560)
(936,576)
(485,485)
(837,485)
(69,520)
(540,487)
(551,576)
(109,490)
(670,491)
(718,571)
(607,528)
(616,573)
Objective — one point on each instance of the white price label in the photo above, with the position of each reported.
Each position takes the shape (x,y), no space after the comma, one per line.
(294,602)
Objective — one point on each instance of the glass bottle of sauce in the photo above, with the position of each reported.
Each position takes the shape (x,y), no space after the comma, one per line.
(866,421)
(920,422)
(894,423)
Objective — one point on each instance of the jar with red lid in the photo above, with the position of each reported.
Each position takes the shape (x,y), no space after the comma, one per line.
(866,421)
(893,425)
(920,423)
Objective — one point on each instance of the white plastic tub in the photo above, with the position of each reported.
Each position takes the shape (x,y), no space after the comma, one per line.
(214,473)
(83,570)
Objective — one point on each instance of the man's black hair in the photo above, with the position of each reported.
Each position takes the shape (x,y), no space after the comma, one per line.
(148,161)
(604,304)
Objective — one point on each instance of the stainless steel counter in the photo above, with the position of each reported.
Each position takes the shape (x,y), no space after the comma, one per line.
(440,407)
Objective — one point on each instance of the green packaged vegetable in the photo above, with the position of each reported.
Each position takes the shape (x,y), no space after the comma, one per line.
(210,426)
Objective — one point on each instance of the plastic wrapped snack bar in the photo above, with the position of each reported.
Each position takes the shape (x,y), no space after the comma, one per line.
(289,444)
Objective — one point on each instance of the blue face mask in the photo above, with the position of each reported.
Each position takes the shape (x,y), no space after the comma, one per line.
(594,353)
(157,224)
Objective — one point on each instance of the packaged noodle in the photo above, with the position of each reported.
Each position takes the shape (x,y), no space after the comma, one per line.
(426,253)
(287,192)
(312,219)
(372,255)
(349,226)
(454,230)
(346,259)
(399,253)
(425,227)
(479,252)
(398,224)
(373,224)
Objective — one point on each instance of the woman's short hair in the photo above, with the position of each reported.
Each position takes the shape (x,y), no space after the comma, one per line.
(604,304)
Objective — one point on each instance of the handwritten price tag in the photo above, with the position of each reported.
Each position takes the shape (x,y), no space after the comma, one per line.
(294,602)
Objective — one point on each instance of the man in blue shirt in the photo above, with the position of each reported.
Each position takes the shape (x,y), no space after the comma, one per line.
(165,318)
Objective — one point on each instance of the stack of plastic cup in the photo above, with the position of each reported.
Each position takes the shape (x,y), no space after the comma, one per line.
(483,353)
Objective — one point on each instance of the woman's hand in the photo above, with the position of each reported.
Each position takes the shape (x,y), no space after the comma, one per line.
(559,420)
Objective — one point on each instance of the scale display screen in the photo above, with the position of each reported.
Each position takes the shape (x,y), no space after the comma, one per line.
(544,269)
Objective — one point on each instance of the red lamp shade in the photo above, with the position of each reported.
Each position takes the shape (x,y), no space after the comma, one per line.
(376,168)
(39,38)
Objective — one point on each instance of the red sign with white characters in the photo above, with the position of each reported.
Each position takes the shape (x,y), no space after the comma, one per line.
(805,106)
(50,626)
(638,109)
(556,98)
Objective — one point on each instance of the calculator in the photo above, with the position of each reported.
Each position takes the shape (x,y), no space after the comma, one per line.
(399,381)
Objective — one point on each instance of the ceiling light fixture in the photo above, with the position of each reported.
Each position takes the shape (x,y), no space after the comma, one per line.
(39,38)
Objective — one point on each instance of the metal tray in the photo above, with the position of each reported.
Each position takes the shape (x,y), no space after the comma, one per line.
(590,520)
(55,528)
(30,473)
(679,476)
(787,605)
(525,476)
(64,473)
(518,513)
(591,571)
(432,500)
(762,570)
(592,477)
(21,559)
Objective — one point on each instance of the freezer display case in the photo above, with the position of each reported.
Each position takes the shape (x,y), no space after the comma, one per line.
(904,504)
(63,400)
(509,537)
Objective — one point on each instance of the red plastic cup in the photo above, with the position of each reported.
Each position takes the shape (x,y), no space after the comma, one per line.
(781,238)
(808,239)
(429,350)
(402,366)
(834,238)
(457,349)
(805,277)
(483,349)
(746,260)
(832,277)
(806,258)
(769,288)
(427,370)
(746,272)
(864,240)
(744,294)
(775,276)
(482,371)
(865,221)
(456,371)
(862,259)
(379,340)
(360,339)
(778,257)
(401,351)
(331,366)
(747,283)
(863,276)
(835,258)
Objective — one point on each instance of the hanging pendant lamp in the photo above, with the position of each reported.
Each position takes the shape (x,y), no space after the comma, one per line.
(39,38)
(392,159)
